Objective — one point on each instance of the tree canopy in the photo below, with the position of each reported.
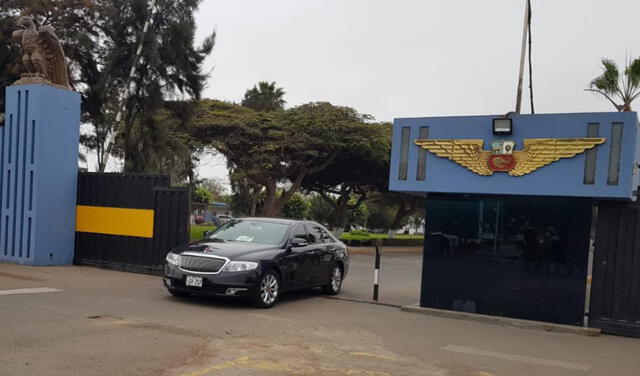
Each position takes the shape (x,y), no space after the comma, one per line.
(620,90)
(277,150)
(355,173)
(100,39)
(264,97)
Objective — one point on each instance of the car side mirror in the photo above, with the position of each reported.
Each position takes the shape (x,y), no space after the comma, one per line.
(298,242)
(207,233)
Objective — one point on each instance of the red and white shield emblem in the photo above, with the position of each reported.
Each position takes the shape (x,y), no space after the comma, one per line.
(501,162)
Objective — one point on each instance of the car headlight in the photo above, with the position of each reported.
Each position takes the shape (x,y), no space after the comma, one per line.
(173,258)
(240,266)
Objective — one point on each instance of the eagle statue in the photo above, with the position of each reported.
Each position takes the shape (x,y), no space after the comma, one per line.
(43,58)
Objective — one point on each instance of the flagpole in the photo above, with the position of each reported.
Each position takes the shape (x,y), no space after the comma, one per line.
(522,55)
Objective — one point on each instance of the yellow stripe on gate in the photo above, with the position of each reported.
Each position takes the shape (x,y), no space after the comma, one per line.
(115,221)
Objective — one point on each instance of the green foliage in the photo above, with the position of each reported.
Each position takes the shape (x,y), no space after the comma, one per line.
(100,39)
(620,91)
(264,97)
(201,194)
(356,172)
(380,216)
(319,210)
(216,187)
(277,150)
(297,207)
(363,238)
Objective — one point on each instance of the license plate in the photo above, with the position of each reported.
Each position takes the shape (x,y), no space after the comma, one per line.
(194,281)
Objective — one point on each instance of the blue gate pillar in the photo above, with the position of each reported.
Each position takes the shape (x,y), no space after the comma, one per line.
(38,179)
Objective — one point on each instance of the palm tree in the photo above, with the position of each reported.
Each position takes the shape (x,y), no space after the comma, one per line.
(613,87)
(264,97)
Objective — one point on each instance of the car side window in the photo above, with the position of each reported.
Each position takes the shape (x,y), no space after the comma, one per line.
(299,232)
(318,235)
(326,236)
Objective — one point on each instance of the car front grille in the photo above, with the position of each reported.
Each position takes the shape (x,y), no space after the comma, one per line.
(201,264)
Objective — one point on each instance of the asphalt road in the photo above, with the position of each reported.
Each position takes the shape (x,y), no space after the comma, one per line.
(96,322)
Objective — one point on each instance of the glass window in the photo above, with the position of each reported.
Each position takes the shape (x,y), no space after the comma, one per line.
(513,256)
(299,232)
(250,231)
(317,234)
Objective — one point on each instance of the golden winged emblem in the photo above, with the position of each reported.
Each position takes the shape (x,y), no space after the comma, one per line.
(537,152)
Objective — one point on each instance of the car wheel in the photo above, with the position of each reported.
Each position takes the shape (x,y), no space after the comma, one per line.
(335,282)
(267,291)
(177,293)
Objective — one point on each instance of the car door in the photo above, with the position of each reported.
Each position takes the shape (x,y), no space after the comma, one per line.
(296,261)
(319,251)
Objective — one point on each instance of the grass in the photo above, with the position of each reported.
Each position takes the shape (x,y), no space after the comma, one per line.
(368,236)
(198,230)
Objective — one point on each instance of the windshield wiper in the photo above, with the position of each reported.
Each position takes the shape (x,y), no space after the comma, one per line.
(216,240)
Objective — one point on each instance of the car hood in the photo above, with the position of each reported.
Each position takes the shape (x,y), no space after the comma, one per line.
(233,250)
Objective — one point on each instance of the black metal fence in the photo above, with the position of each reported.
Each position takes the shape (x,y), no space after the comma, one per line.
(111,250)
(615,297)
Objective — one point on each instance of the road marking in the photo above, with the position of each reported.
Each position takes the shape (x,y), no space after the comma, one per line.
(518,358)
(36,290)
(372,355)
(281,369)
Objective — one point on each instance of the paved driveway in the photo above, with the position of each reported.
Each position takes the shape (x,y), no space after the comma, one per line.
(86,321)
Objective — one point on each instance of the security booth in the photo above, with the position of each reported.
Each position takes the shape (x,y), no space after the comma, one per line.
(527,216)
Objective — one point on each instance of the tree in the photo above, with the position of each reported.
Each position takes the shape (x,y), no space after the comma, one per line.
(170,65)
(354,174)
(620,91)
(216,187)
(319,210)
(277,150)
(202,195)
(264,97)
(391,210)
(100,39)
(297,207)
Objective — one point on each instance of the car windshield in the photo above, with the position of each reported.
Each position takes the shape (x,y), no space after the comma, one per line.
(250,231)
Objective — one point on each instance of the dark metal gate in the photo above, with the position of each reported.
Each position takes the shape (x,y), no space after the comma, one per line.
(111,207)
(615,299)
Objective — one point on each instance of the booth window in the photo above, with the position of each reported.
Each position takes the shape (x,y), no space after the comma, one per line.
(615,152)
(404,152)
(593,130)
(422,155)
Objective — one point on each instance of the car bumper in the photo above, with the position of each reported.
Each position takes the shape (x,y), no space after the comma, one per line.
(232,284)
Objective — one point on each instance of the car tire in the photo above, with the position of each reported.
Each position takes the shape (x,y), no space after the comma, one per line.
(178,294)
(267,291)
(335,281)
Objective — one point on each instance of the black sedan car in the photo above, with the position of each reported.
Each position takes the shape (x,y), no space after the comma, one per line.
(259,259)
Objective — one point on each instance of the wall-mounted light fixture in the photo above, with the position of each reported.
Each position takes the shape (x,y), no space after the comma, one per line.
(503,126)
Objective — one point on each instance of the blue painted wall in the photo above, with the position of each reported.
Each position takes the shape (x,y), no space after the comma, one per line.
(562,178)
(39,167)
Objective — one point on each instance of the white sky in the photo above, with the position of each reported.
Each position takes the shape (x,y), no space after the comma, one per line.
(414,57)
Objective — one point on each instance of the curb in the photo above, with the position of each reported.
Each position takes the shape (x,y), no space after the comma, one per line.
(385,250)
(506,321)
(355,300)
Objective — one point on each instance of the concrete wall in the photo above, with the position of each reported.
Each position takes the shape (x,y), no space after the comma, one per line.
(39,166)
